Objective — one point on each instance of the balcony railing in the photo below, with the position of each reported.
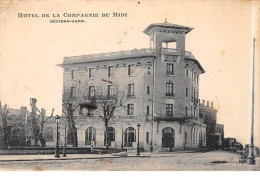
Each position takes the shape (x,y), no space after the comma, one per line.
(169,94)
(114,55)
(170,51)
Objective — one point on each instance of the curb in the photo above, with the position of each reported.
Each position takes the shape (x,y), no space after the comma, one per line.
(76,158)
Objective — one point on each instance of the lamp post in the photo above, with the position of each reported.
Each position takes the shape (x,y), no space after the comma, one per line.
(65,141)
(122,145)
(138,148)
(57,154)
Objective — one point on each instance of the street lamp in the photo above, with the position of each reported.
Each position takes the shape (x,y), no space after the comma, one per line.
(138,148)
(57,154)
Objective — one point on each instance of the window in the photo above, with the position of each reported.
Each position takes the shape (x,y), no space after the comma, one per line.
(169,109)
(147,137)
(187,92)
(90,135)
(169,89)
(130,70)
(110,90)
(91,73)
(72,74)
(170,70)
(131,89)
(194,111)
(147,110)
(111,71)
(130,109)
(191,110)
(148,90)
(91,91)
(187,72)
(192,74)
(149,70)
(198,80)
(195,79)
(186,111)
(185,137)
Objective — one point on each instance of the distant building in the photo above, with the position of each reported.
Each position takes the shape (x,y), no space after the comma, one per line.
(214,131)
(16,128)
(162,88)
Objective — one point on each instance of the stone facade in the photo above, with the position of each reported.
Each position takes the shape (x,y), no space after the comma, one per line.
(162,93)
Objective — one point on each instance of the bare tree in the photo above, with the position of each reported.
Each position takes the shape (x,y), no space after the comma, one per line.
(43,121)
(107,101)
(72,99)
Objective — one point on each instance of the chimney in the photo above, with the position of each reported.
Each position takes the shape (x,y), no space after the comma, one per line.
(207,103)
(203,102)
(211,104)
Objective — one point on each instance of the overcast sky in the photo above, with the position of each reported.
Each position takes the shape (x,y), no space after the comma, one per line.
(221,41)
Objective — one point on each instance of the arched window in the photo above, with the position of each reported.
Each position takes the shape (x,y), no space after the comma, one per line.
(130,136)
(48,133)
(90,135)
(110,137)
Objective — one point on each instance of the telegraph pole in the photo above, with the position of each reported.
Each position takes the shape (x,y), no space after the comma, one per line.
(251,157)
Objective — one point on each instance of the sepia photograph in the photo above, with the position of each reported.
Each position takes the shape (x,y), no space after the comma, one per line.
(131,85)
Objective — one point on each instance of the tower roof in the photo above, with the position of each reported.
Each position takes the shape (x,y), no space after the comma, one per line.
(170,26)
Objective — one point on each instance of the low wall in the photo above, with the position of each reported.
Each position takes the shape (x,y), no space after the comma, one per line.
(41,150)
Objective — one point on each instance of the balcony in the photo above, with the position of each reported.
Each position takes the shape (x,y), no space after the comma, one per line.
(170,51)
(169,94)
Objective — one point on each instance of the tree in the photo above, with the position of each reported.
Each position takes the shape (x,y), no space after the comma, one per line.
(43,121)
(4,113)
(107,101)
(72,98)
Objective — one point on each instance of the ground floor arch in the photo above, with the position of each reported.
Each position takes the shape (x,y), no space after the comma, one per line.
(168,137)
(130,137)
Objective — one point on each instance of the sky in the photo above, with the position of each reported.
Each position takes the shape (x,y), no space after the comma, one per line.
(221,41)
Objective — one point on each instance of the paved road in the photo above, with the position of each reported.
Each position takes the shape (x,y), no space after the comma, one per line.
(157,162)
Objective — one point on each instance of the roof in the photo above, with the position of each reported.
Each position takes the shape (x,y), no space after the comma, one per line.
(186,29)
(108,56)
(197,63)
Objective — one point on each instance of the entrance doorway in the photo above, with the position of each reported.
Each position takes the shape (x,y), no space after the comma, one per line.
(129,137)
(168,137)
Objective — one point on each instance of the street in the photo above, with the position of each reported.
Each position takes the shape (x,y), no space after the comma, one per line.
(176,161)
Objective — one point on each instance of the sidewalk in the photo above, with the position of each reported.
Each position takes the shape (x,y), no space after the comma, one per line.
(11,158)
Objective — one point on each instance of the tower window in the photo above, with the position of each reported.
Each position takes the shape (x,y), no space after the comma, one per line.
(169,109)
(170,69)
(169,89)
